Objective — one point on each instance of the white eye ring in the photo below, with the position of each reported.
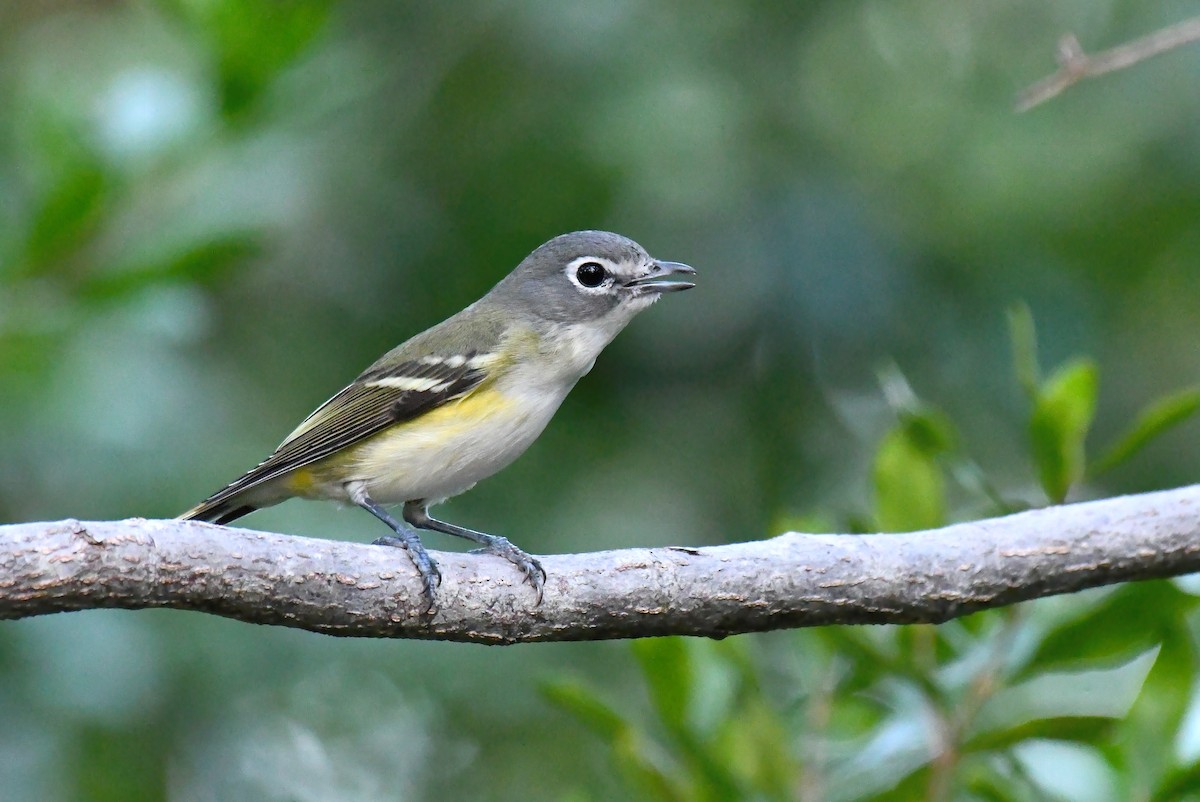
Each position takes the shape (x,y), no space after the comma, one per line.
(591,274)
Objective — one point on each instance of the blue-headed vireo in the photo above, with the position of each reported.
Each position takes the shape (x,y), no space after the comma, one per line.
(460,401)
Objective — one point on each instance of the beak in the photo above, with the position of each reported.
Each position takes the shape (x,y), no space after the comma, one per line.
(652,281)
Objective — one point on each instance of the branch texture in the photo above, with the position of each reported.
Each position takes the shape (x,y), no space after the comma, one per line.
(1074,65)
(794,580)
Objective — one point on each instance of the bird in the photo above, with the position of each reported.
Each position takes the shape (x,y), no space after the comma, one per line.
(460,401)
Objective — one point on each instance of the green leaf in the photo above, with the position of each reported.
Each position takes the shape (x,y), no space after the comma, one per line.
(635,757)
(649,781)
(988,785)
(1062,415)
(1084,729)
(70,192)
(891,751)
(756,744)
(909,489)
(201,262)
(1093,693)
(1183,783)
(1062,770)
(252,42)
(667,668)
(1023,335)
(1107,626)
(1155,419)
(68,213)
(1153,733)
(586,706)
(930,431)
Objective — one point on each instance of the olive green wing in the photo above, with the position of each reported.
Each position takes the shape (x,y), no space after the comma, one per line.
(379,398)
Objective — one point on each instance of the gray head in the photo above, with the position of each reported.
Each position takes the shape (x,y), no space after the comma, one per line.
(589,275)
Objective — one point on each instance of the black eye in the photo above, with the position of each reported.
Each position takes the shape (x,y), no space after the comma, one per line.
(591,274)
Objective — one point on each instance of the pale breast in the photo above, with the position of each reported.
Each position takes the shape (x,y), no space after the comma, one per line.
(449,449)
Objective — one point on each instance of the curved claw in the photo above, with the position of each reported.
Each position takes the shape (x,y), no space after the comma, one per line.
(427,567)
(534,573)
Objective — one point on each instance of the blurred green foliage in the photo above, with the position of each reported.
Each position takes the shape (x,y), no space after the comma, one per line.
(213,213)
(1025,703)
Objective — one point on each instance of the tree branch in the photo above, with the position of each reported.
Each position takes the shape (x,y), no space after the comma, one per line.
(793,580)
(1074,65)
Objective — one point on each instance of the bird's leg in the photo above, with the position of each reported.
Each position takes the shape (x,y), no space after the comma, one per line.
(409,540)
(417,514)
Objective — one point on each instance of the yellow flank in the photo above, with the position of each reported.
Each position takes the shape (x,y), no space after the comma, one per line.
(436,455)
(443,451)
(442,424)
(300,482)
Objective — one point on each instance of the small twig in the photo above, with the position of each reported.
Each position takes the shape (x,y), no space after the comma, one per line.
(1075,65)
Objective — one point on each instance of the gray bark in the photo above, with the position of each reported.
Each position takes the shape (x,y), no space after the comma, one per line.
(794,580)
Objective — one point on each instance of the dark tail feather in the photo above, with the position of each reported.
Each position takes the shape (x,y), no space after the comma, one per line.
(217,512)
